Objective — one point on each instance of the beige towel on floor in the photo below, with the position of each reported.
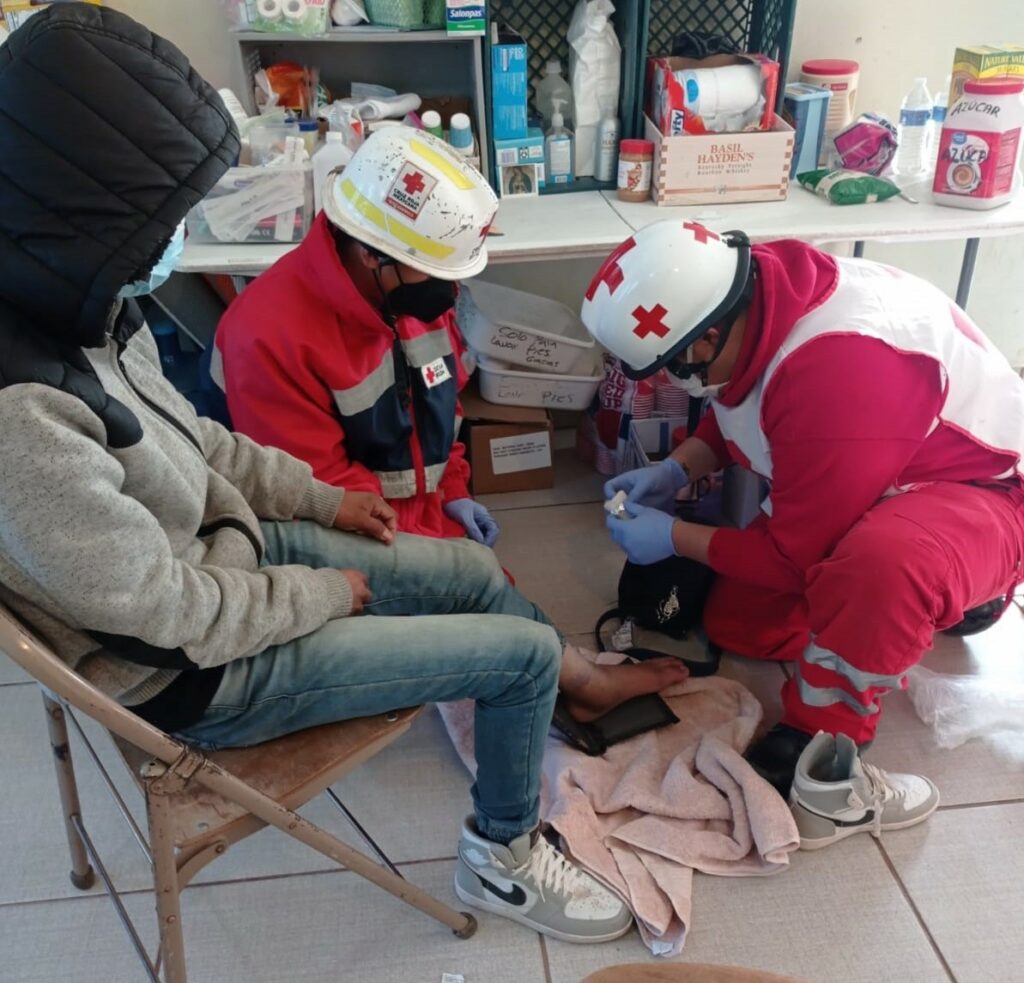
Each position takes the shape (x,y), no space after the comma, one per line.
(655,808)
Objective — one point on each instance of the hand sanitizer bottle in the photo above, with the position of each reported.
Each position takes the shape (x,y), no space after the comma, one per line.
(559,149)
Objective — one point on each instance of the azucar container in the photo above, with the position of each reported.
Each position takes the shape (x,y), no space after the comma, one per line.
(980,148)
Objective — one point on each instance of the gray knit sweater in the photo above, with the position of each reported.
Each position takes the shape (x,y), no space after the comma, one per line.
(96,539)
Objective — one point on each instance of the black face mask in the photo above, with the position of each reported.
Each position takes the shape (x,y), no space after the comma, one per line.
(426,301)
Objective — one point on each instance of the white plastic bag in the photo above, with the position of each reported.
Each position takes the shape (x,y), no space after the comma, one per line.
(961,708)
(595,63)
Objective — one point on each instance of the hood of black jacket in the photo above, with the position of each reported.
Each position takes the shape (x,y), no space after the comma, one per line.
(107,138)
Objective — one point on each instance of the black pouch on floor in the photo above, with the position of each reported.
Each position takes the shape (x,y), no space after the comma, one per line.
(666,597)
(629,719)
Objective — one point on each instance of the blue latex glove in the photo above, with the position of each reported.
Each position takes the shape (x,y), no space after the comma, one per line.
(655,486)
(475,519)
(647,537)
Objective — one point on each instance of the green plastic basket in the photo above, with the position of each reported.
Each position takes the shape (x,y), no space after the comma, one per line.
(395,13)
(434,14)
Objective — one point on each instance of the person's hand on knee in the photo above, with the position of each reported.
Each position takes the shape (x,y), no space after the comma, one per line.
(368,514)
(361,593)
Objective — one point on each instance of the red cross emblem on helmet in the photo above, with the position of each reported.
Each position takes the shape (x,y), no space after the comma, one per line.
(610,272)
(650,322)
(701,234)
(413,182)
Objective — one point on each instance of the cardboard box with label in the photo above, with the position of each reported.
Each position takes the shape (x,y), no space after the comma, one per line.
(509,447)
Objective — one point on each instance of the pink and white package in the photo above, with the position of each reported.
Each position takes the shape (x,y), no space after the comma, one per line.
(866,145)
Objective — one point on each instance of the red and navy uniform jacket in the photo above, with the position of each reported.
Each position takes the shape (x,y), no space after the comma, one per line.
(310,367)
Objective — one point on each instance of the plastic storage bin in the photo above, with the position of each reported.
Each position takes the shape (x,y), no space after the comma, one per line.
(511,385)
(521,329)
(255,204)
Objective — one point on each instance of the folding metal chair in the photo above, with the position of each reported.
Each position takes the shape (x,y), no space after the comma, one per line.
(199,804)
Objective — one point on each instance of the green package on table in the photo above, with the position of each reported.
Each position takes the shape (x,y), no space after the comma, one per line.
(848,187)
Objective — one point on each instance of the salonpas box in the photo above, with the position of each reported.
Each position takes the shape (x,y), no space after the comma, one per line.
(465,17)
(698,169)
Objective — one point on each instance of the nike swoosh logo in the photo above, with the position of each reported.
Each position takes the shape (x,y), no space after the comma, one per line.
(517,896)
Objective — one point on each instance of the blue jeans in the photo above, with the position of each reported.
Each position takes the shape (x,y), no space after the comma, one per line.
(475,637)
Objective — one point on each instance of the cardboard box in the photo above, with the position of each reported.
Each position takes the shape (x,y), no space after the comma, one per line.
(465,18)
(727,167)
(508,84)
(527,151)
(984,61)
(509,447)
(666,100)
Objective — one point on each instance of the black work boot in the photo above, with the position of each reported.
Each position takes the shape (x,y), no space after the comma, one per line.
(774,757)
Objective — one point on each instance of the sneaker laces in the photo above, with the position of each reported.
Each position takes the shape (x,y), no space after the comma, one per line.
(551,869)
(882,791)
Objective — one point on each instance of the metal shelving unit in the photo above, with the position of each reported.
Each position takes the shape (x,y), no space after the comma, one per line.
(430,63)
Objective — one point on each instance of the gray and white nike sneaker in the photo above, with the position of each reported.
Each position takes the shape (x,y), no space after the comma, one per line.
(836,795)
(532,883)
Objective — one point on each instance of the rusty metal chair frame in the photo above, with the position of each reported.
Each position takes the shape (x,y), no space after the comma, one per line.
(171,774)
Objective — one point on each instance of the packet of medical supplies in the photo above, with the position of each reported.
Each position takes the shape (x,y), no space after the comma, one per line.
(307,18)
(16,12)
(848,187)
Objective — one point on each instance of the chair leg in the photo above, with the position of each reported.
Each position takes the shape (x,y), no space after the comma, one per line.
(165,875)
(82,875)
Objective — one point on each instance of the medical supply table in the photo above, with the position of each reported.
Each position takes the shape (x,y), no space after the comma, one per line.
(590,224)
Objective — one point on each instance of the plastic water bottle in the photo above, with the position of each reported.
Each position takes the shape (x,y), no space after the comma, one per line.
(912,155)
(939,109)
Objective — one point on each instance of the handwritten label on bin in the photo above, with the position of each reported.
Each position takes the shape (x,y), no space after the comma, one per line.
(523,452)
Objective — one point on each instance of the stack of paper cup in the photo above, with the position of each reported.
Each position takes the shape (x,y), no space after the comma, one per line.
(643,400)
(669,400)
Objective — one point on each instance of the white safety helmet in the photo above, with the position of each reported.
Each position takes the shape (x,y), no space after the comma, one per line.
(663,289)
(408,195)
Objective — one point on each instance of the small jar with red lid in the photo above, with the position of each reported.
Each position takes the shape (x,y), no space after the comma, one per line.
(636,162)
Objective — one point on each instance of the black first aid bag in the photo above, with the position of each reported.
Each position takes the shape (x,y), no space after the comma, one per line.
(666,597)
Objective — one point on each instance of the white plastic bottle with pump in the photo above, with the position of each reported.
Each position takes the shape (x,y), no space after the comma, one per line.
(559,150)
(550,88)
(607,150)
(912,156)
(332,154)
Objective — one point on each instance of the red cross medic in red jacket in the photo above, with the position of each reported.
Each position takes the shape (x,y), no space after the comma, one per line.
(890,433)
(346,352)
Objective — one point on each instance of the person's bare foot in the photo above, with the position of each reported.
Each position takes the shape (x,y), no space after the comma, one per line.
(589,694)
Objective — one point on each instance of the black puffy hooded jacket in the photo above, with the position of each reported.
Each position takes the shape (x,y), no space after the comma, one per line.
(109,138)
(129,527)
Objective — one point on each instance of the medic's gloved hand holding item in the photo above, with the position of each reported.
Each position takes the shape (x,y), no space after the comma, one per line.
(475,519)
(655,486)
(645,536)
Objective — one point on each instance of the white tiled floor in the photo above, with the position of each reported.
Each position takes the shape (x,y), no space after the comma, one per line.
(940,902)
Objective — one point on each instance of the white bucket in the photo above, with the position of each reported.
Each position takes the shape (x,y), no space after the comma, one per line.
(520,328)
